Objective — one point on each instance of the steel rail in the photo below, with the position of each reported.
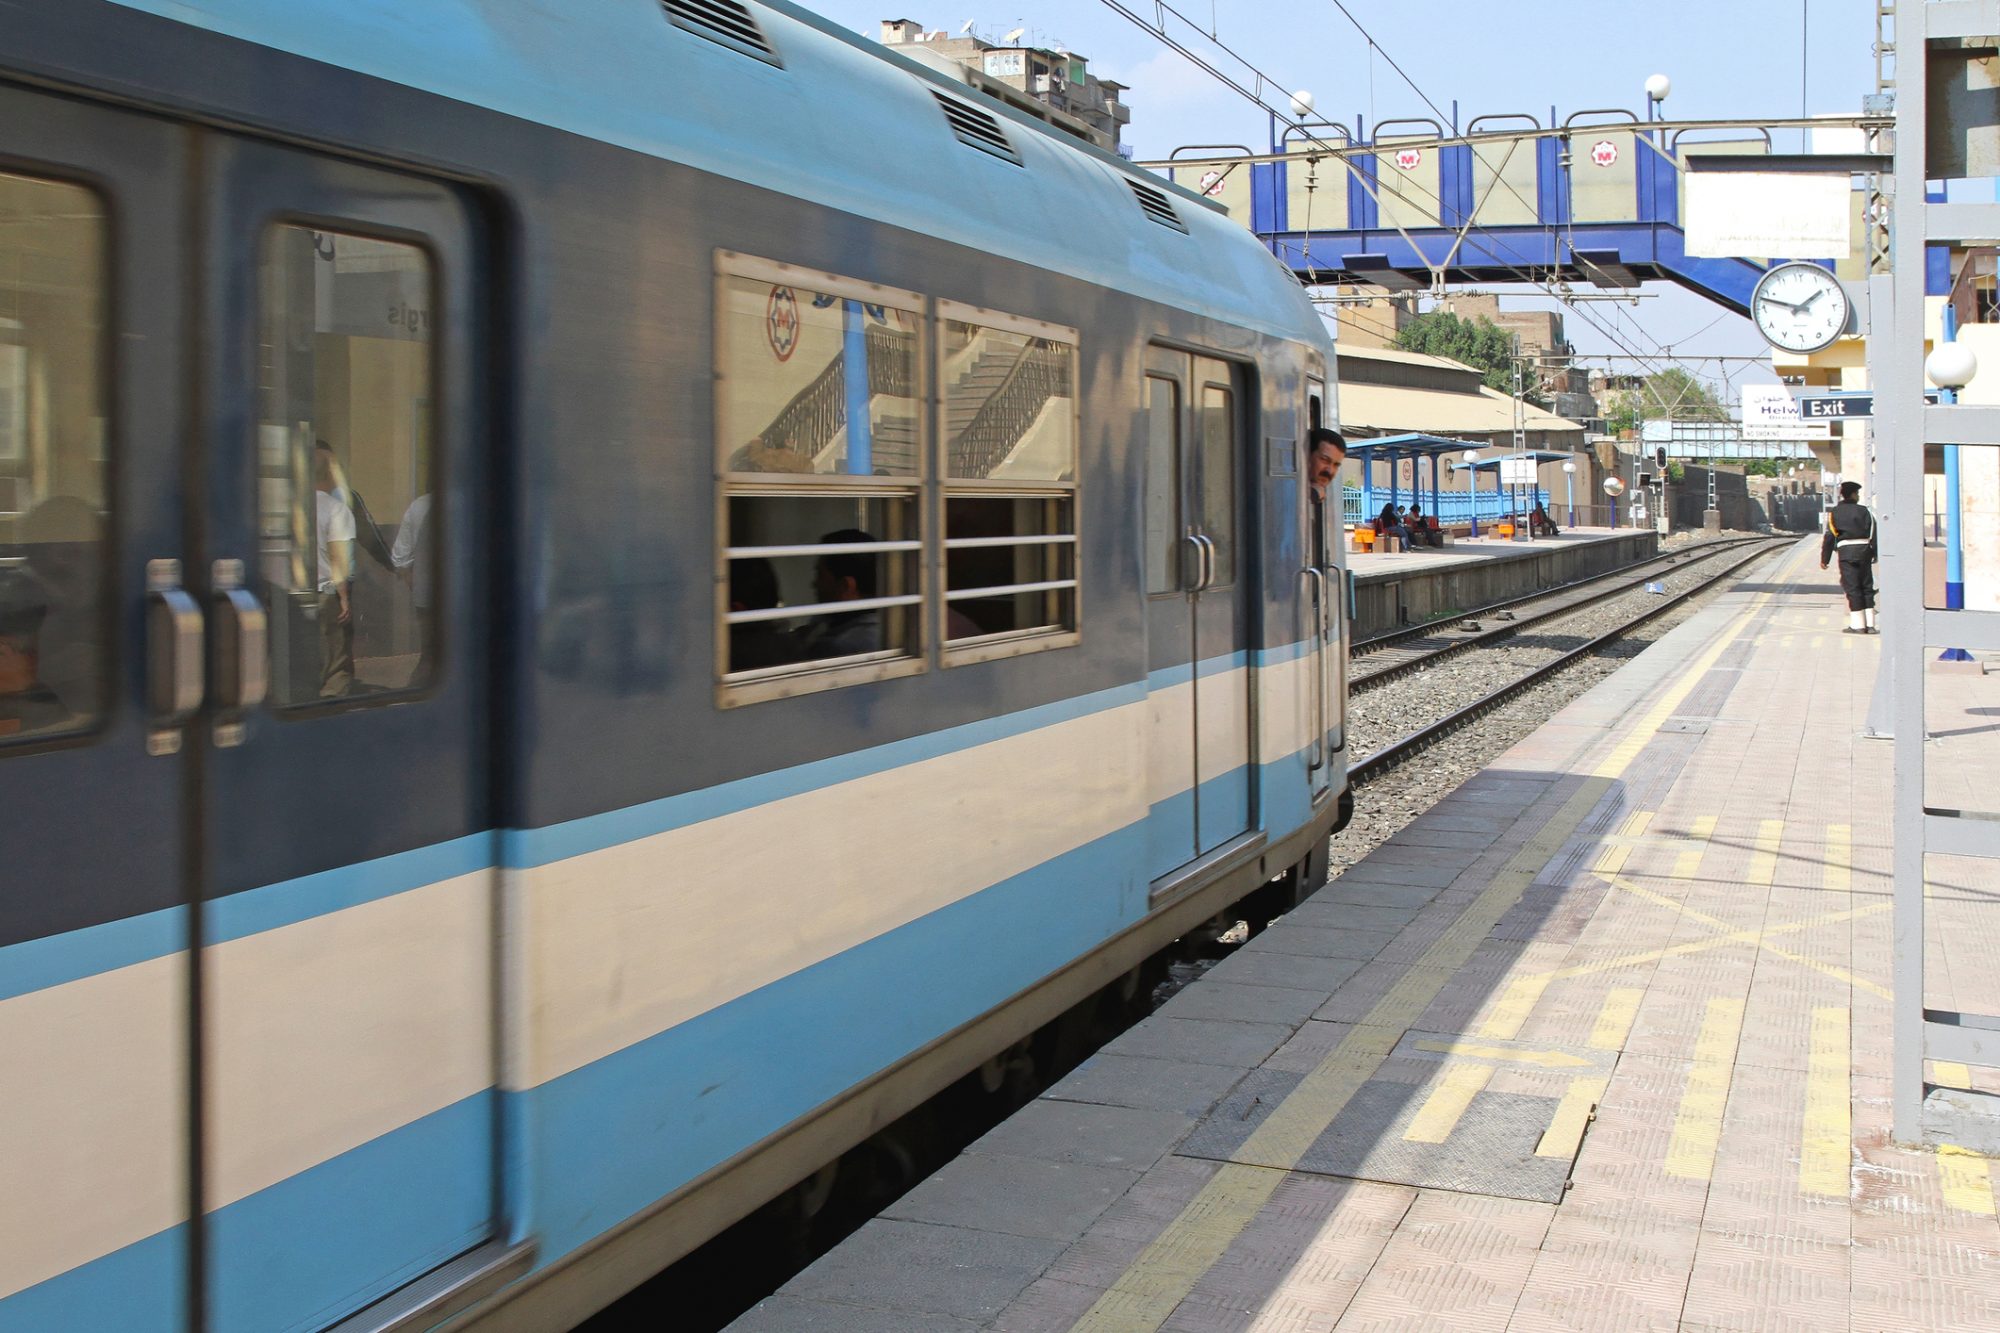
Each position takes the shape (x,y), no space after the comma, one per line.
(1487,638)
(1395,753)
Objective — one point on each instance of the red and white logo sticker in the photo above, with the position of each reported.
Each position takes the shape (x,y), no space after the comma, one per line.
(1604,152)
(1211,183)
(1409,159)
(781,322)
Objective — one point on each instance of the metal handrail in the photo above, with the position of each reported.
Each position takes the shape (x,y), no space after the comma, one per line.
(1007,589)
(820,608)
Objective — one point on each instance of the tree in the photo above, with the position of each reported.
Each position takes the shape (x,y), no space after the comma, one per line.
(1478,343)
(1674,395)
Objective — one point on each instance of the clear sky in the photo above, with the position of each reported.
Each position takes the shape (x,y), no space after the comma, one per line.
(1727,58)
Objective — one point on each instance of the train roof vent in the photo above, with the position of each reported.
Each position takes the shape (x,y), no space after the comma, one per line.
(1156,205)
(976,128)
(725,21)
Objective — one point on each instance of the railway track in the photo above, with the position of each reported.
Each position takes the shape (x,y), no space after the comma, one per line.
(1390,755)
(1420,646)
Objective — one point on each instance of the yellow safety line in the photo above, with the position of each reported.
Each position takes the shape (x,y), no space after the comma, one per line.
(1827,1157)
(1761,938)
(1614,1020)
(1635,827)
(1764,859)
(1836,874)
(1689,862)
(1145,1294)
(1951,1074)
(1506,1054)
(1505,1020)
(1967,1180)
(1698,1124)
(1565,1130)
(1611,860)
(1438,1116)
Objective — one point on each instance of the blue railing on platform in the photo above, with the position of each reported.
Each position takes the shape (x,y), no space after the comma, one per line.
(1453,507)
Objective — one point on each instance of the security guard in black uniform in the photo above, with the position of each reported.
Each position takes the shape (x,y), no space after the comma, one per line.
(1850,533)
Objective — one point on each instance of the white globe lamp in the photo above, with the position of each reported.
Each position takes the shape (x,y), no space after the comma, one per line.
(1302,104)
(1951,365)
(1657,88)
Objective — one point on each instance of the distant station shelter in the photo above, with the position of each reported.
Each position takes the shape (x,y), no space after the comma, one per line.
(1418,414)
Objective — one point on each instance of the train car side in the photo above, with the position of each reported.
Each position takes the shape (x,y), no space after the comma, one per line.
(630,940)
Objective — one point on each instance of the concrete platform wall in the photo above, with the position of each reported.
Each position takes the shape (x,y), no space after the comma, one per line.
(1392,599)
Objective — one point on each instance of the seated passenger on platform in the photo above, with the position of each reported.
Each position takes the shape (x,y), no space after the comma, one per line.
(1391,523)
(841,576)
(1539,522)
(1420,528)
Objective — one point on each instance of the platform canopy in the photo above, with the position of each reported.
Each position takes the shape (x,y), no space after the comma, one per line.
(1413,444)
(1393,449)
(1540,456)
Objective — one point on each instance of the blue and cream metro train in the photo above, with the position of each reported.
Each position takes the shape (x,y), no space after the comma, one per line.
(595,601)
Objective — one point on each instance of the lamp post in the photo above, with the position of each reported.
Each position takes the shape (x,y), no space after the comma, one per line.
(1951,366)
(1569,491)
(1614,488)
(1657,88)
(1471,456)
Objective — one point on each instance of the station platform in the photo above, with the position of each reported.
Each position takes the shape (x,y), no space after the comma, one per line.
(1670,904)
(1405,587)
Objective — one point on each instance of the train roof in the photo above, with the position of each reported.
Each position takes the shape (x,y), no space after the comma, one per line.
(818,113)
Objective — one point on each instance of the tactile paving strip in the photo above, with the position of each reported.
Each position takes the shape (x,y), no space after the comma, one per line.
(1490,1150)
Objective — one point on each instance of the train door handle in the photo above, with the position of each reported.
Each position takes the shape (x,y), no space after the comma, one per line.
(1317,755)
(173,656)
(1205,557)
(1191,577)
(239,665)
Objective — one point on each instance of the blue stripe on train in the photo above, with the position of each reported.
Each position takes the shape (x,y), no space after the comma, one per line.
(616,1136)
(317,1245)
(141,1288)
(36,964)
(613,1137)
(303,1252)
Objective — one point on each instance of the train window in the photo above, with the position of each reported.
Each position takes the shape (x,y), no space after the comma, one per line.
(1010,467)
(53,507)
(819,419)
(1218,480)
(347,525)
(1163,485)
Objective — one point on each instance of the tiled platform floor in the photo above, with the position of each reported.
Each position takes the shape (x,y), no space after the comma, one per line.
(1670,901)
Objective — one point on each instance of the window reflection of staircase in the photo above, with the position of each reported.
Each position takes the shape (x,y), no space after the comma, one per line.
(817,414)
(998,400)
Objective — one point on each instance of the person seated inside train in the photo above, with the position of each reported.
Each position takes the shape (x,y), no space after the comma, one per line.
(842,576)
(27,706)
(1391,523)
(753,586)
(61,539)
(1539,522)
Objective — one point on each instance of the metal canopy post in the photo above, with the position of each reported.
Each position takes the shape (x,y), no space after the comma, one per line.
(1923,1114)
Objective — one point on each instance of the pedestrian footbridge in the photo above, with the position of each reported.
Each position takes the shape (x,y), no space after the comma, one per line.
(1596,199)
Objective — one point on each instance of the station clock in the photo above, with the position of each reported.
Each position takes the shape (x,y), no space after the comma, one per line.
(1799,308)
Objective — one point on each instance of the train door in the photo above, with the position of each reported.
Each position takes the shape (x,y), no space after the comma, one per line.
(1323,601)
(93,815)
(1198,681)
(346,980)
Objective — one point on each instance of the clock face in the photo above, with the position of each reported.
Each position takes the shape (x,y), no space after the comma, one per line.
(1799,307)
